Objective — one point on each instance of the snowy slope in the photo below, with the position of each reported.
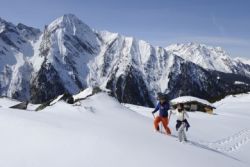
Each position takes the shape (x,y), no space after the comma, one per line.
(99,131)
(228,131)
(7,102)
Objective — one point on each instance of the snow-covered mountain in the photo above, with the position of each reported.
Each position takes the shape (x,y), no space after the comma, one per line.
(69,56)
(16,48)
(211,58)
(67,46)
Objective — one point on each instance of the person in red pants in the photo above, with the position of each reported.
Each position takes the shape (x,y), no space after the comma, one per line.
(163,107)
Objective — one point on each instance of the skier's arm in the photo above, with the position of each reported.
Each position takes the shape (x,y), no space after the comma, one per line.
(156,108)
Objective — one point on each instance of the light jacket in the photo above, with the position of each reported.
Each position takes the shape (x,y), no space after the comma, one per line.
(181,116)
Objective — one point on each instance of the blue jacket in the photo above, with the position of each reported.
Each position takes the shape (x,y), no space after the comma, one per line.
(163,109)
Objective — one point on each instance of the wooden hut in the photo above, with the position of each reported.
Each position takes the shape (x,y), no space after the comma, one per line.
(193,104)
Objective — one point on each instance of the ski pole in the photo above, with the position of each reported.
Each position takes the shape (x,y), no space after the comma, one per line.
(169,115)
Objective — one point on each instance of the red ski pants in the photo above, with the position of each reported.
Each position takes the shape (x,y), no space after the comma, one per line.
(164,121)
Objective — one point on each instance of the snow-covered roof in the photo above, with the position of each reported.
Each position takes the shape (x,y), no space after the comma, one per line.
(185,99)
(83,94)
(56,100)
(240,83)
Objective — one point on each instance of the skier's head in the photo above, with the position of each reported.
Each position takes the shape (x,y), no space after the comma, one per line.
(159,95)
(162,101)
(162,97)
(180,107)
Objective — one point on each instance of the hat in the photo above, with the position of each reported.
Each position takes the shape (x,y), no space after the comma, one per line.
(162,96)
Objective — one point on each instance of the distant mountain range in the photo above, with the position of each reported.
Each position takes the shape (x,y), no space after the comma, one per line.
(68,56)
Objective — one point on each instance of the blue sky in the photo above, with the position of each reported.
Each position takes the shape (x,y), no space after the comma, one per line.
(224,23)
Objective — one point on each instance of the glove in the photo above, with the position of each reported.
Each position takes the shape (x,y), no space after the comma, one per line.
(153,114)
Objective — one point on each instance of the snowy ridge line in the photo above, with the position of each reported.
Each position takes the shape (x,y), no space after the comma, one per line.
(231,143)
(72,56)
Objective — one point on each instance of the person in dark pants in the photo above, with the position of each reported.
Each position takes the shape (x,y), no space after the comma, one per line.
(181,122)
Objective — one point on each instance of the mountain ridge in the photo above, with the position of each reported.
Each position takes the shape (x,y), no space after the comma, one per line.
(69,56)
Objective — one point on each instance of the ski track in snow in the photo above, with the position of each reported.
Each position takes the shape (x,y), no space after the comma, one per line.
(230,144)
(223,146)
(206,146)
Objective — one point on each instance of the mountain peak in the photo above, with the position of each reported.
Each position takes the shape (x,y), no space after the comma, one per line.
(5,26)
(4,22)
(28,32)
(70,16)
(68,19)
(69,22)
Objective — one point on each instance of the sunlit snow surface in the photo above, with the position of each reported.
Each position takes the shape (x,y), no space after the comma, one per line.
(99,131)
